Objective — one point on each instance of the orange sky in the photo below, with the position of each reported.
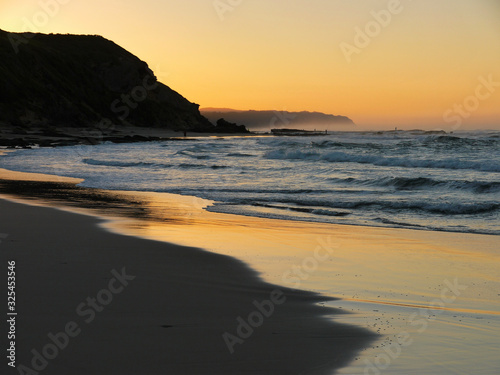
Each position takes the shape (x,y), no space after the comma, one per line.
(422,64)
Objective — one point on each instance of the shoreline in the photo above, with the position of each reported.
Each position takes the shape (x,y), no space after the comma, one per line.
(184,221)
(12,137)
(9,175)
(182,300)
(373,208)
(374,273)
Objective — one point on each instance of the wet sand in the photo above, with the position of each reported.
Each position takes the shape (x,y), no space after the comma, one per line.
(134,306)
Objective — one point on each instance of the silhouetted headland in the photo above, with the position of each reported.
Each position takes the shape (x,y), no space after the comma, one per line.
(85,89)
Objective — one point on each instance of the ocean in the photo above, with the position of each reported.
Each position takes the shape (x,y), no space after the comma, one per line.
(400,179)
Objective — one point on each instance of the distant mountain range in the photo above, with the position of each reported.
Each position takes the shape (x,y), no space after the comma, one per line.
(266,120)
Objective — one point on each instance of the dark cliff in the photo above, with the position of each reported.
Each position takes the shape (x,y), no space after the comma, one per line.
(80,81)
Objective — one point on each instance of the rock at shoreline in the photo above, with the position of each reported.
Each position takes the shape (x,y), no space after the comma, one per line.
(224,126)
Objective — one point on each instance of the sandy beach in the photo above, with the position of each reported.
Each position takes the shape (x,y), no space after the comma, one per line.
(390,296)
(136,306)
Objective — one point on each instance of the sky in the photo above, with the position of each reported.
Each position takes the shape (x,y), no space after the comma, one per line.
(384,63)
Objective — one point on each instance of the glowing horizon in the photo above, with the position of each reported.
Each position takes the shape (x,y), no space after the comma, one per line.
(382,63)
